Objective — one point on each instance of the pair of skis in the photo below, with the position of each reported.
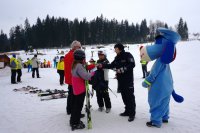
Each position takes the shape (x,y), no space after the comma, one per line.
(54,96)
(51,92)
(88,106)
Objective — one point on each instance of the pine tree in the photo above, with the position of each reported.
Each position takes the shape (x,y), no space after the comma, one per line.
(144,30)
(4,43)
(180,28)
(185,31)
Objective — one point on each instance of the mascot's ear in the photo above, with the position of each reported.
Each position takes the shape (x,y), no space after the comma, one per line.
(168,53)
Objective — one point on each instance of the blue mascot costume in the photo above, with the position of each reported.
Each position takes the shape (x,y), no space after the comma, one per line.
(160,81)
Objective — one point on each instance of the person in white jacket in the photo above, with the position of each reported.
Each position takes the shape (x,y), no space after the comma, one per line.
(35,67)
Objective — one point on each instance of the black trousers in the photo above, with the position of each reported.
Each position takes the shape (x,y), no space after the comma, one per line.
(62,74)
(37,72)
(69,99)
(19,74)
(103,96)
(128,98)
(13,76)
(78,101)
(144,70)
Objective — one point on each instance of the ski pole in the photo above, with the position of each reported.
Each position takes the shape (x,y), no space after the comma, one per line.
(112,91)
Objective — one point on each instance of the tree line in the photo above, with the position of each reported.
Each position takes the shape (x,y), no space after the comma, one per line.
(60,32)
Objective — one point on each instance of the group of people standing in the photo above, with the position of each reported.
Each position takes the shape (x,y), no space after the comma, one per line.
(16,68)
(76,74)
(73,68)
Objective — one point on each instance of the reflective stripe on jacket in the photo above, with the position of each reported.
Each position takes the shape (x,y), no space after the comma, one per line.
(143,62)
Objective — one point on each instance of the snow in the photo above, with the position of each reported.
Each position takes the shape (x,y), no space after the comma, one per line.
(25,113)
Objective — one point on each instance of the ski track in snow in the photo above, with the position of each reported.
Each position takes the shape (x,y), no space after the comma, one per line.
(25,113)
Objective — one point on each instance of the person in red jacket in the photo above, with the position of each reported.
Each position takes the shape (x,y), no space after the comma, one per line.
(68,60)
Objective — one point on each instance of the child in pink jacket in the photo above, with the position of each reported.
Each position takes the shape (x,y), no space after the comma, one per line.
(79,75)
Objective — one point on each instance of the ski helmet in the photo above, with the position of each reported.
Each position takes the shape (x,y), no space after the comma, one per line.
(79,54)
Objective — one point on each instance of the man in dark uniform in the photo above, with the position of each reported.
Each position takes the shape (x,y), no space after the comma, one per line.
(123,64)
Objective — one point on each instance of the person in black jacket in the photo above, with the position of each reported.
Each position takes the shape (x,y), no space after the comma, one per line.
(123,64)
(100,84)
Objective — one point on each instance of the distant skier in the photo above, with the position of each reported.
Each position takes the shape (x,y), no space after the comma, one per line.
(35,67)
(54,62)
(60,70)
(79,75)
(57,59)
(144,68)
(29,63)
(48,64)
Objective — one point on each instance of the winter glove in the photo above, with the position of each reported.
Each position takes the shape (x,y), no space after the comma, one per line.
(94,69)
(177,98)
(121,70)
(146,84)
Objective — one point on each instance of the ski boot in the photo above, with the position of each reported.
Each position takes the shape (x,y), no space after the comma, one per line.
(80,125)
(100,109)
(108,110)
(131,118)
(124,114)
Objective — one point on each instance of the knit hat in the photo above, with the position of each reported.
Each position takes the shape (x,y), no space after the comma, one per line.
(14,55)
(119,46)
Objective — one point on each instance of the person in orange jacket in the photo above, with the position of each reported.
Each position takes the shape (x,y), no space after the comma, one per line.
(49,63)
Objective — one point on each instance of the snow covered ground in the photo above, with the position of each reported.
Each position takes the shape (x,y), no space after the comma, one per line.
(25,113)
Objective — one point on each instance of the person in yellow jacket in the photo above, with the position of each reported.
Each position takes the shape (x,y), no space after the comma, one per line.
(19,69)
(144,67)
(60,70)
(13,66)
(29,63)
(45,63)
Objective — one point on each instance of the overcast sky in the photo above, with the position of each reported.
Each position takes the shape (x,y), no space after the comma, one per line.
(14,12)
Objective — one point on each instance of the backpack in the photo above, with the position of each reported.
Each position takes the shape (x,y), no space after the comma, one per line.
(13,64)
